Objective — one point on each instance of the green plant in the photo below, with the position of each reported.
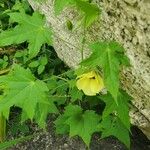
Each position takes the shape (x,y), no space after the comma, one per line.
(8,144)
(39,91)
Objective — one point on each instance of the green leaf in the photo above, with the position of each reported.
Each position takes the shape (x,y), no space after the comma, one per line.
(34,64)
(17,126)
(8,144)
(91,11)
(60,123)
(30,28)
(51,84)
(105,55)
(24,91)
(121,109)
(84,125)
(62,87)
(81,124)
(59,5)
(58,90)
(61,127)
(113,126)
(42,111)
(43,61)
(41,68)
(110,107)
(75,94)
(69,25)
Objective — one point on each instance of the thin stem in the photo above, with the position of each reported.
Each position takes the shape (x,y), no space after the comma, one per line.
(54,76)
(65,72)
(58,96)
(2,128)
(79,102)
(61,78)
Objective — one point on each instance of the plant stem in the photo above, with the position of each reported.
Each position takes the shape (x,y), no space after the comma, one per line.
(2,128)
(59,96)
(58,77)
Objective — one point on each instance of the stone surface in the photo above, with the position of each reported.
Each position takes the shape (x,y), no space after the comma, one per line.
(126,21)
(50,141)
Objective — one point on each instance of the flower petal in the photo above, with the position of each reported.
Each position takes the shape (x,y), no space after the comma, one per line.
(91,83)
(95,87)
(82,83)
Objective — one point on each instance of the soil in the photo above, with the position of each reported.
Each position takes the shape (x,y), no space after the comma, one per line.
(48,140)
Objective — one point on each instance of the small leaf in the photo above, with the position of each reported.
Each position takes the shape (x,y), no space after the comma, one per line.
(34,64)
(69,25)
(75,94)
(43,61)
(41,68)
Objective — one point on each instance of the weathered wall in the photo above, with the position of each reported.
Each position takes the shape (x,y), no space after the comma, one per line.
(127,21)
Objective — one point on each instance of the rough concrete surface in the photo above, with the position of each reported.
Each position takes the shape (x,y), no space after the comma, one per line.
(48,140)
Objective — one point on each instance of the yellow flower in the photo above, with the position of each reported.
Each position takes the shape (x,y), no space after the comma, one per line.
(90,83)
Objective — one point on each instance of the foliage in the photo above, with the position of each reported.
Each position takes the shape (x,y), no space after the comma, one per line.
(37,82)
(78,123)
(26,92)
(109,56)
(30,29)
(90,11)
(8,144)
(115,117)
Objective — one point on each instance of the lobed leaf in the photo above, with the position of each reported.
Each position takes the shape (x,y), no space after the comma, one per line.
(26,92)
(30,28)
(105,55)
(79,123)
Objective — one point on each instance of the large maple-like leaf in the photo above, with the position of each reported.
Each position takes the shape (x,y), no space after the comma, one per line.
(30,28)
(81,124)
(22,89)
(105,55)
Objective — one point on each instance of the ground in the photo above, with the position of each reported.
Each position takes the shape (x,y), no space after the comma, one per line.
(48,140)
